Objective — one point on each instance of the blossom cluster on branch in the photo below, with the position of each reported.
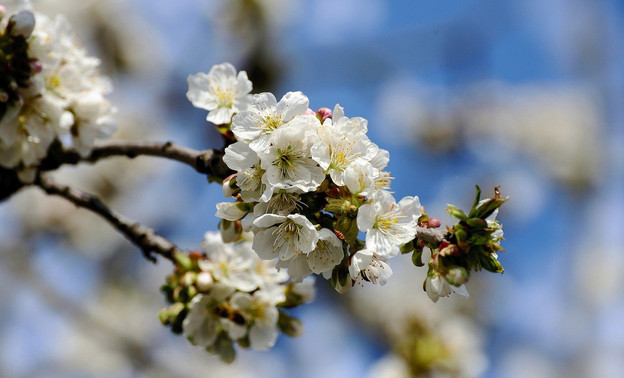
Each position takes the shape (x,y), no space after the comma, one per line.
(50,90)
(228,295)
(311,194)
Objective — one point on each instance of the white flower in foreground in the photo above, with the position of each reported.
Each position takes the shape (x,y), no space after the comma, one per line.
(351,126)
(267,115)
(287,162)
(388,224)
(437,286)
(221,91)
(284,236)
(367,265)
(245,161)
(327,254)
(335,151)
(359,178)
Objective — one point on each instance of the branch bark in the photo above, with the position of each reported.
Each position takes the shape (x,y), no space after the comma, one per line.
(430,235)
(143,237)
(208,162)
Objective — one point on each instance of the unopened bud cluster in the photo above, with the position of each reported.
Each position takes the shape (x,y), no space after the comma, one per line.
(471,244)
(49,89)
(227,295)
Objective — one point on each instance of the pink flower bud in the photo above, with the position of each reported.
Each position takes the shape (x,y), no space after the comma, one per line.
(323,114)
(309,112)
(433,223)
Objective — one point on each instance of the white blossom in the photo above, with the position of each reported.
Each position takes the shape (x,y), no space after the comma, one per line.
(359,178)
(266,115)
(201,324)
(230,264)
(335,151)
(221,91)
(242,159)
(287,162)
(260,308)
(437,286)
(284,236)
(388,224)
(365,264)
(327,253)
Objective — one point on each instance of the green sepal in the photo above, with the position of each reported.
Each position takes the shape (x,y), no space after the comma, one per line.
(347,226)
(490,263)
(224,347)
(407,247)
(456,212)
(417,258)
(289,325)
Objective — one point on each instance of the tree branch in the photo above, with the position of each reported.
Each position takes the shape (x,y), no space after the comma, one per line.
(142,236)
(430,235)
(207,162)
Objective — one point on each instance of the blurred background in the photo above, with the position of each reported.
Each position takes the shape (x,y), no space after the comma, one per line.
(527,95)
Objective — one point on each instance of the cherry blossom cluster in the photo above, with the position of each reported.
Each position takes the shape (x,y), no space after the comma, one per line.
(51,91)
(227,295)
(306,183)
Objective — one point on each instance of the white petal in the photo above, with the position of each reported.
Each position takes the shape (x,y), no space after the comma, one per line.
(298,268)
(366,217)
(262,338)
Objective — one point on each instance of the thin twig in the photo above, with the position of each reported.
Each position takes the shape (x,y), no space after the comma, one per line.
(142,236)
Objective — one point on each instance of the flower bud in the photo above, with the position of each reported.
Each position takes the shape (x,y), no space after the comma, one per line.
(289,326)
(309,112)
(433,223)
(170,314)
(229,186)
(204,281)
(323,113)
(187,279)
(447,249)
(21,24)
(231,231)
(456,276)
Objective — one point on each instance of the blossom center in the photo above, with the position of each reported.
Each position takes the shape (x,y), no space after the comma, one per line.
(286,160)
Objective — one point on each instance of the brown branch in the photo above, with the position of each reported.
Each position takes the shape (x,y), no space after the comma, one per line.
(142,236)
(430,235)
(207,162)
